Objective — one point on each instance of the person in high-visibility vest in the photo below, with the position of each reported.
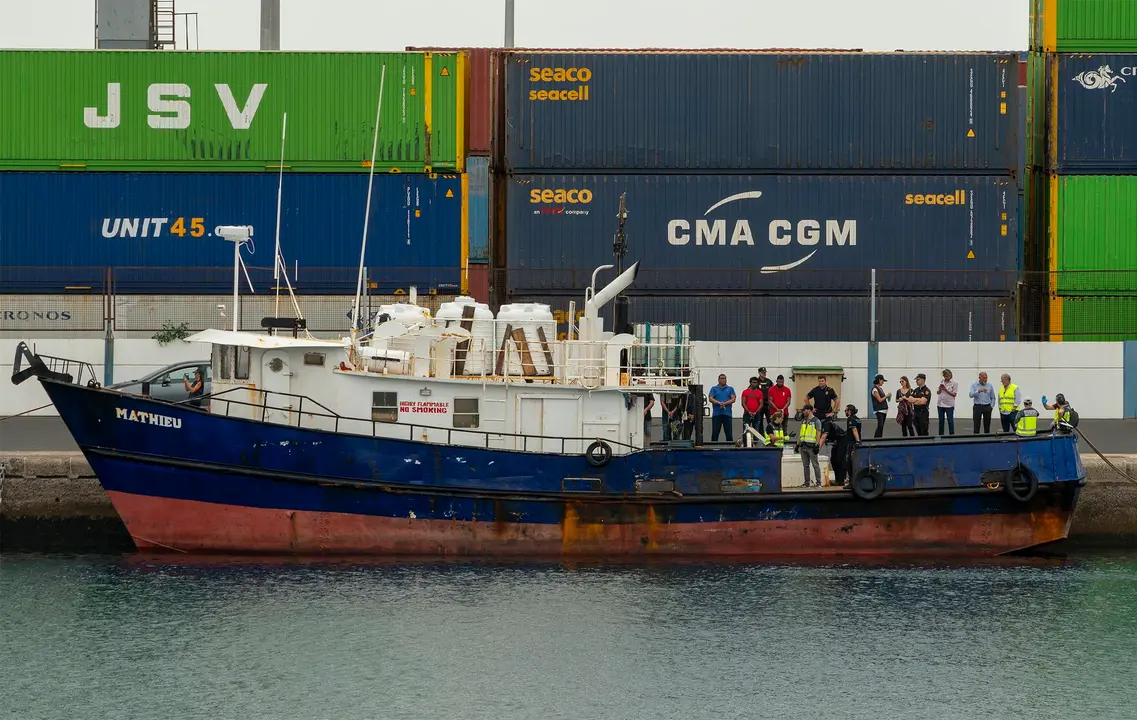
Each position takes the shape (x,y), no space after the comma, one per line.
(1061,410)
(809,439)
(1026,424)
(776,430)
(1010,400)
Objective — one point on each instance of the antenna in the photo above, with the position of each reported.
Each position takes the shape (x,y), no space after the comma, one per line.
(277,261)
(619,248)
(238,235)
(367,211)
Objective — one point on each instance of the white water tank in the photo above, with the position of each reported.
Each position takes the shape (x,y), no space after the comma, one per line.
(482,328)
(406,314)
(536,320)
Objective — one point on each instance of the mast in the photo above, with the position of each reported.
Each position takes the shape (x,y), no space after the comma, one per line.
(619,249)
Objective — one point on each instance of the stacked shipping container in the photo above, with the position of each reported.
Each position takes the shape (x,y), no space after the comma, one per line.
(1089,50)
(780,178)
(128,160)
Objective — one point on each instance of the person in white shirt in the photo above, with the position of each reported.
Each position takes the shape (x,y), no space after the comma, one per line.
(945,402)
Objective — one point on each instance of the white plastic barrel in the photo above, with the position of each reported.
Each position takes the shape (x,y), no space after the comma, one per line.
(482,329)
(529,317)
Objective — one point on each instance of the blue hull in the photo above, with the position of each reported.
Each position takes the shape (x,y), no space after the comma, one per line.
(184,479)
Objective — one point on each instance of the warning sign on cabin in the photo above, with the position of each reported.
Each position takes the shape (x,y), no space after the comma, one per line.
(430,408)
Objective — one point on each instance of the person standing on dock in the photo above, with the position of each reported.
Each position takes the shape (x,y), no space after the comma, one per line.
(879,404)
(764,384)
(945,402)
(780,397)
(823,398)
(1010,400)
(921,405)
(982,393)
(722,399)
(753,400)
(1026,425)
(905,417)
(808,443)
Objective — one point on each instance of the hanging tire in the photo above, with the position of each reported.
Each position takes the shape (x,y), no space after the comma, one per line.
(598,454)
(868,484)
(1021,484)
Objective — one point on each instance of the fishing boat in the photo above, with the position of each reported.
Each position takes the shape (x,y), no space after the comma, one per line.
(470,434)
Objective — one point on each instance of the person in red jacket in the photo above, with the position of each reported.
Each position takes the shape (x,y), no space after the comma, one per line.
(779,397)
(752,403)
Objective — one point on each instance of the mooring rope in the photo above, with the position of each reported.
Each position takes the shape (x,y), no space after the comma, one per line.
(1103,457)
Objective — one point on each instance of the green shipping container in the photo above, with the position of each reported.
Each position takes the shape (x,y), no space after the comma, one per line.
(1093,234)
(1093,319)
(222,111)
(1084,25)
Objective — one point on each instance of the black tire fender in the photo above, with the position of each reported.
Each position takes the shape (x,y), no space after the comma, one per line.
(598,453)
(868,484)
(1021,484)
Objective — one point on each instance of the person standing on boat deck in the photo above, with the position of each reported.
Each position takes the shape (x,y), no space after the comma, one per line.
(904,413)
(195,387)
(879,404)
(780,397)
(808,443)
(753,400)
(843,448)
(1010,400)
(833,434)
(945,402)
(1026,424)
(674,409)
(921,405)
(764,384)
(823,398)
(649,403)
(982,393)
(722,399)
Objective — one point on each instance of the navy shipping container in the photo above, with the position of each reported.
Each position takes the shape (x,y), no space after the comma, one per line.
(776,233)
(156,230)
(1094,127)
(678,112)
(816,319)
(478,206)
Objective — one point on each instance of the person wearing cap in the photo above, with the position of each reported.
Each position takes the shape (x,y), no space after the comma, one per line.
(945,402)
(921,400)
(779,397)
(753,400)
(809,439)
(1061,410)
(764,384)
(1026,424)
(1010,400)
(879,404)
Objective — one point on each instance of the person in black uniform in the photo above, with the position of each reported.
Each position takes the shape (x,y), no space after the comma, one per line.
(764,384)
(879,404)
(921,405)
(844,449)
(835,436)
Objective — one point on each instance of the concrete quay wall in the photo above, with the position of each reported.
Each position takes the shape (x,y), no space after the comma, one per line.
(52,502)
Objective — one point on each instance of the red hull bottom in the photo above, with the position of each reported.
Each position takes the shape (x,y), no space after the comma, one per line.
(191,526)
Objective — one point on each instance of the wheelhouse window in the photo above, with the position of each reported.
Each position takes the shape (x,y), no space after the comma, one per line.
(314,358)
(223,361)
(241,367)
(385,407)
(466,413)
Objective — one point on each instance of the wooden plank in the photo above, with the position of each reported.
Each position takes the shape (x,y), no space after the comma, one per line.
(548,351)
(527,366)
(499,365)
(463,347)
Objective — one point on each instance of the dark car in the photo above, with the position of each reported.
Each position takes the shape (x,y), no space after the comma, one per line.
(168,383)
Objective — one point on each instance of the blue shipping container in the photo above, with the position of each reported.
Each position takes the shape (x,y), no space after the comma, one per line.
(780,233)
(478,206)
(814,319)
(857,112)
(156,230)
(1096,119)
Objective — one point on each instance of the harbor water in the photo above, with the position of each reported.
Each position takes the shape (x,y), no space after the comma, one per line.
(162,637)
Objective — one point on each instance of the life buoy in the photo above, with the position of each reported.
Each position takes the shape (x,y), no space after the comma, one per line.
(868,484)
(1021,484)
(598,453)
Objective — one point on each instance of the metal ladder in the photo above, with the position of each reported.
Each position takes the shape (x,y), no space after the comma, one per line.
(162,24)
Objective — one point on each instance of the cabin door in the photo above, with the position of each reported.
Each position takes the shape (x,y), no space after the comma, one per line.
(276,381)
(546,420)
